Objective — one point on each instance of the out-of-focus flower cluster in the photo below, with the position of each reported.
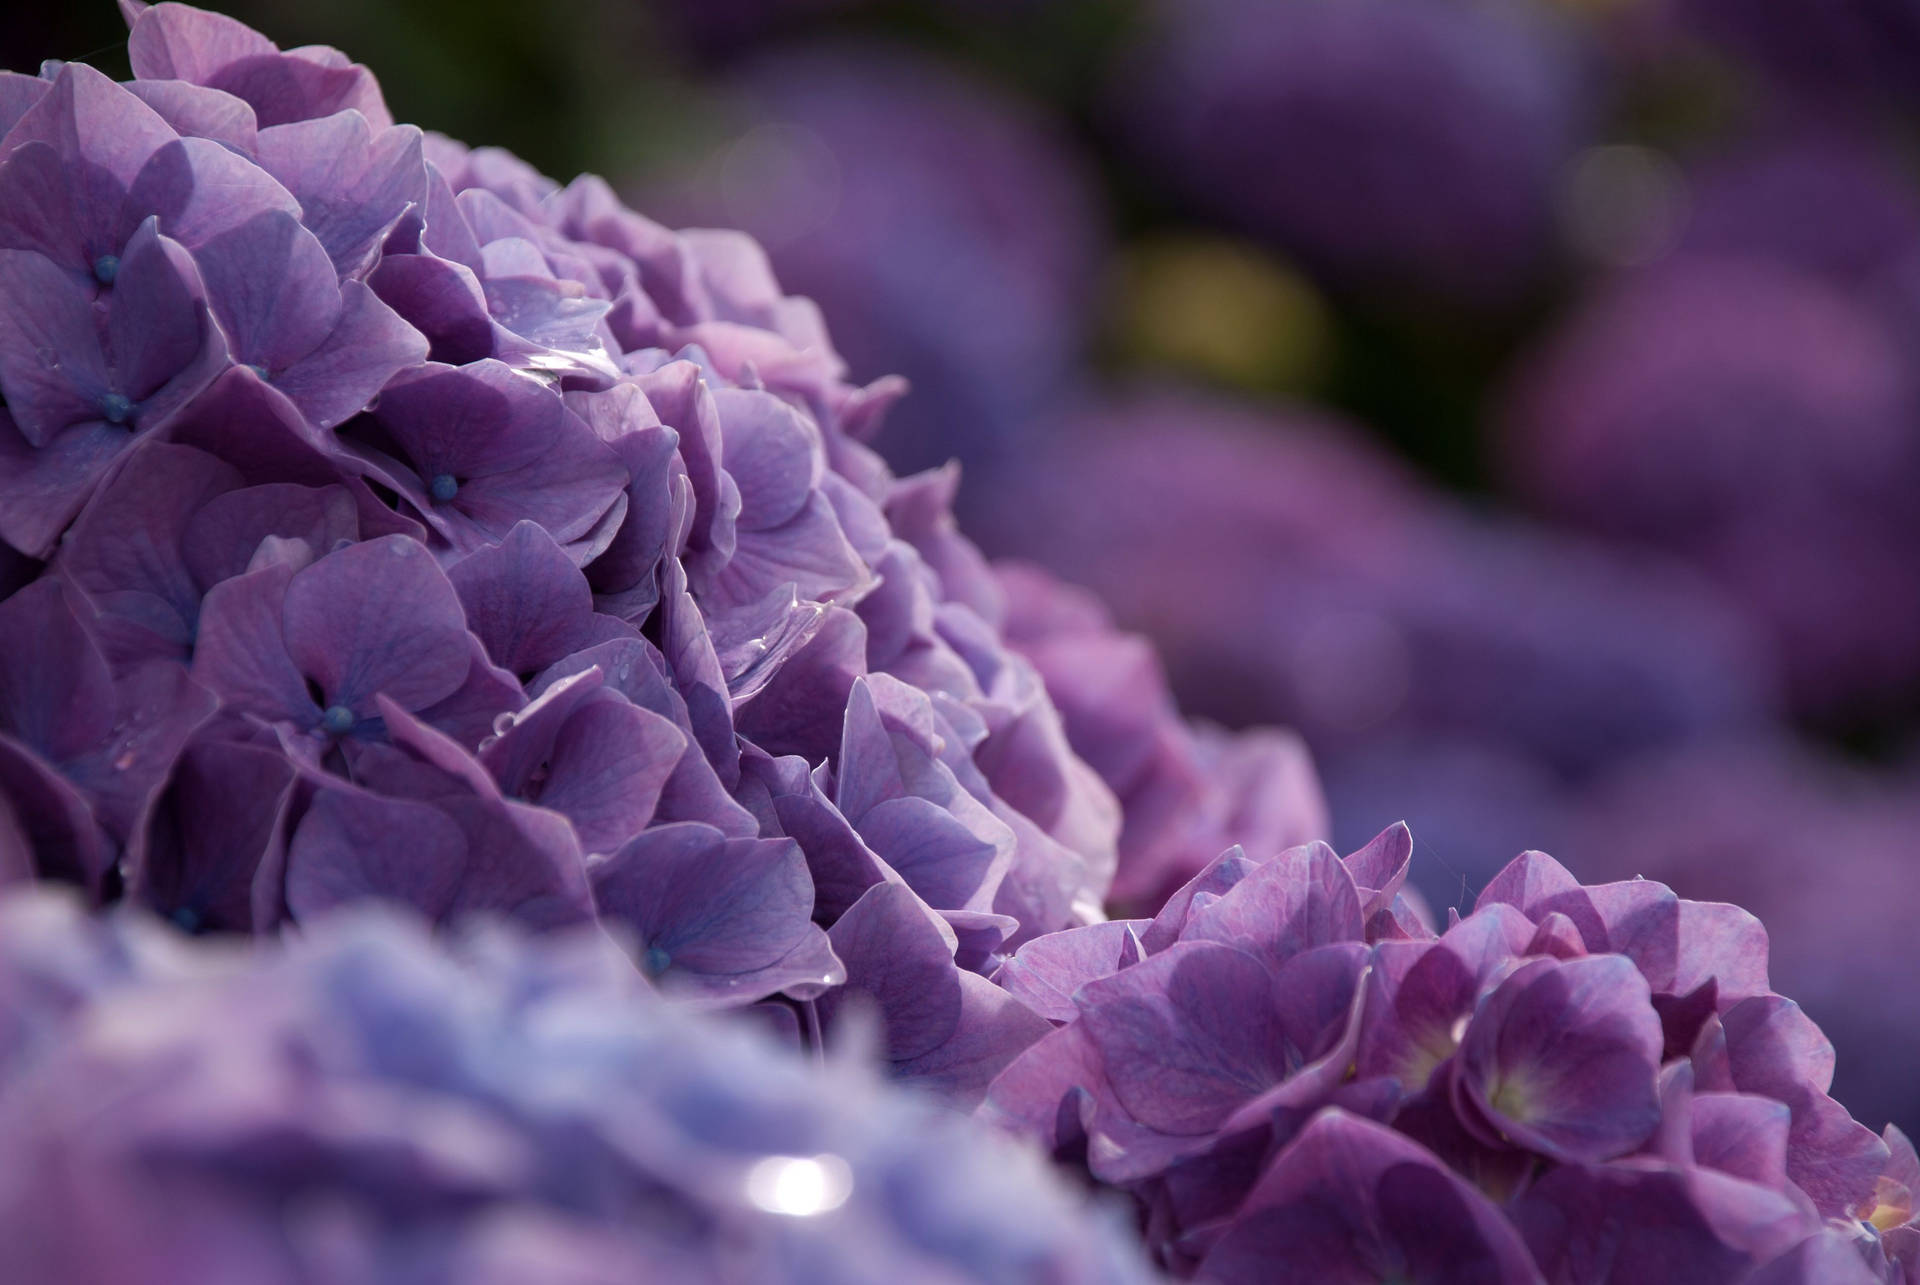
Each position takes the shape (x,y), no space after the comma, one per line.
(1302,1080)
(388,521)
(371,1105)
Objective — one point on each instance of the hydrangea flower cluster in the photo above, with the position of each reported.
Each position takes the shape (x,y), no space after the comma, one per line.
(387,520)
(370,1105)
(1303,1081)
(1392,147)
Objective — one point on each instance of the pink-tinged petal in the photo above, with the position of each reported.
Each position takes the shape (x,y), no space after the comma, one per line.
(1209,883)
(1833,1257)
(1741,1134)
(1301,899)
(1528,880)
(1380,868)
(1048,970)
(1774,1049)
(1047,1093)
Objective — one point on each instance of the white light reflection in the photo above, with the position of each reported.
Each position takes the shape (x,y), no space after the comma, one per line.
(800,1186)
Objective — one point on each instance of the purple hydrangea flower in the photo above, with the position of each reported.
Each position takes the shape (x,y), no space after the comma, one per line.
(1714,403)
(1390,146)
(384,520)
(1291,573)
(370,1104)
(1299,1077)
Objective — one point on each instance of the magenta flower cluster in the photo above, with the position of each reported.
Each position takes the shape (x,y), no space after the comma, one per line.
(1303,1081)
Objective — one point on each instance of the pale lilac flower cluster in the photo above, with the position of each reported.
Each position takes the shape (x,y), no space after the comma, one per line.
(1302,1080)
(369,1105)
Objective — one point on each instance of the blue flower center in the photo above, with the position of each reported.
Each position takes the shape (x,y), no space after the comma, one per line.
(443,488)
(338,720)
(106,268)
(116,408)
(187,919)
(655,961)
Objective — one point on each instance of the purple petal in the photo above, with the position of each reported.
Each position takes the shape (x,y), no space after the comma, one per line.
(1048,970)
(368,346)
(272,287)
(1562,1057)
(377,618)
(354,184)
(196,111)
(1352,1200)
(1301,899)
(528,603)
(728,920)
(1186,1036)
